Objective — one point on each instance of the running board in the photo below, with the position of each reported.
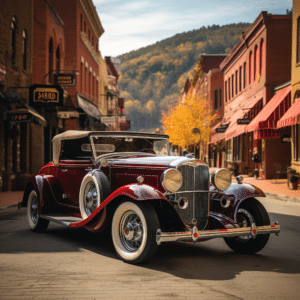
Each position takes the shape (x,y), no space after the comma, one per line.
(61,219)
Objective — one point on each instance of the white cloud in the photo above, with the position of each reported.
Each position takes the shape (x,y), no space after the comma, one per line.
(131,24)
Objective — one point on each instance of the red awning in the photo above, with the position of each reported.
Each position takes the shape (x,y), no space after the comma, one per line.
(291,117)
(218,136)
(272,111)
(235,129)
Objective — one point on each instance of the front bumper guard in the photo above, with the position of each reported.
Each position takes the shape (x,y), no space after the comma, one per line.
(195,235)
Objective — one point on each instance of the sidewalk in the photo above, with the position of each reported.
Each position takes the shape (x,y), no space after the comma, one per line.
(10,198)
(278,189)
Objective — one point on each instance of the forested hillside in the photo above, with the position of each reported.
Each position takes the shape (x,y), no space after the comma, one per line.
(152,77)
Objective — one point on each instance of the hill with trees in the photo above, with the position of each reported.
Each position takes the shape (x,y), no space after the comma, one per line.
(152,77)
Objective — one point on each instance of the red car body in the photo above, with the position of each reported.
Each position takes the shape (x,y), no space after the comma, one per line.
(58,187)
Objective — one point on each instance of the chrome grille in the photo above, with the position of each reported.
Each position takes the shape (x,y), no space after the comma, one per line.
(194,188)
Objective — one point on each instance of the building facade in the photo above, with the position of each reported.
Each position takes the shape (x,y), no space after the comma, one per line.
(83,30)
(291,119)
(252,70)
(17,134)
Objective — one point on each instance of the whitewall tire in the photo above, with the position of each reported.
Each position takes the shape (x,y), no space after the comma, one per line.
(94,189)
(134,228)
(35,222)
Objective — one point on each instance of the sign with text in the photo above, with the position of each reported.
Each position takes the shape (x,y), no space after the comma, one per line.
(222,128)
(243,121)
(68,114)
(64,79)
(108,120)
(24,116)
(46,95)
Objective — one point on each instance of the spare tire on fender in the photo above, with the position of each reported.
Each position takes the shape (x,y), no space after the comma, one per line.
(94,189)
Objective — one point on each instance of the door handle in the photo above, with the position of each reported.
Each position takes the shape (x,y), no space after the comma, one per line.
(64,170)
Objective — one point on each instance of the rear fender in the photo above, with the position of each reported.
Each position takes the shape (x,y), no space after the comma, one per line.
(137,192)
(44,192)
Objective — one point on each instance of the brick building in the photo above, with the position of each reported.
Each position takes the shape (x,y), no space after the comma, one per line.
(208,83)
(291,119)
(82,29)
(252,70)
(17,135)
(49,54)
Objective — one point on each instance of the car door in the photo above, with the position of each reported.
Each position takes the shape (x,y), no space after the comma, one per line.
(71,174)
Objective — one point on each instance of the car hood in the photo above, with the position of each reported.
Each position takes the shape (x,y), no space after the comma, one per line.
(163,161)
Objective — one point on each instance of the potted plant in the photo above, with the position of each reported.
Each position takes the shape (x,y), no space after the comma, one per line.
(294,180)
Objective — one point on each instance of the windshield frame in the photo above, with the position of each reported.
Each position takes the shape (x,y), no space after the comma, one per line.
(146,137)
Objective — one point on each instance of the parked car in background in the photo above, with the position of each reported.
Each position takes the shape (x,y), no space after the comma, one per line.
(128,182)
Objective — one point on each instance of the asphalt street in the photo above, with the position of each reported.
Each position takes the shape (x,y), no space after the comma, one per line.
(66,263)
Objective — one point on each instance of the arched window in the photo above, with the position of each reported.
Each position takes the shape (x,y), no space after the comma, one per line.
(24,49)
(50,61)
(13,37)
(250,67)
(58,58)
(262,53)
(255,63)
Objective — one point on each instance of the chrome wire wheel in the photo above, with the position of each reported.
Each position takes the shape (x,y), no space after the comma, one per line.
(244,219)
(90,198)
(250,212)
(34,209)
(35,222)
(131,231)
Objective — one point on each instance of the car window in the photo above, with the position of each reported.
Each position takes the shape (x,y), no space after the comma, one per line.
(129,144)
(73,149)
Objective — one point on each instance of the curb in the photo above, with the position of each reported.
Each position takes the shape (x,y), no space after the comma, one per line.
(284,198)
(8,206)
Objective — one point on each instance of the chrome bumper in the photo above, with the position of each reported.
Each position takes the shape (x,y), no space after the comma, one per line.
(195,235)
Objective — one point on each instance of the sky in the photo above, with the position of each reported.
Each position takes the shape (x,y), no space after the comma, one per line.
(133,24)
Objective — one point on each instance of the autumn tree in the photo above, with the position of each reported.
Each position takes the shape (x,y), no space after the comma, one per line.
(188,123)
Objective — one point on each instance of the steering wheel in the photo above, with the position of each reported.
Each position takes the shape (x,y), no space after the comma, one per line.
(149,150)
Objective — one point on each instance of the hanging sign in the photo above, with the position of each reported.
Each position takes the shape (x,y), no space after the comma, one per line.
(222,128)
(46,95)
(243,121)
(64,79)
(22,116)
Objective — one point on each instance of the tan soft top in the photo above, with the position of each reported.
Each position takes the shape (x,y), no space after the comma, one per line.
(78,134)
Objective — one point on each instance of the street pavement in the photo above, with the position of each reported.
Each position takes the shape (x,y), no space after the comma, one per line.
(65,263)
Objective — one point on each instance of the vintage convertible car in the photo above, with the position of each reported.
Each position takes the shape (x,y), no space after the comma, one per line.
(128,183)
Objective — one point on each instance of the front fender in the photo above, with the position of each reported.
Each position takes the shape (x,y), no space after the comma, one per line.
(137,192)
(241,192)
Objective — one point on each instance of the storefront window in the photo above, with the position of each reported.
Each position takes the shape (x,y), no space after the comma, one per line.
(244,148)
(236,148)
(228,150)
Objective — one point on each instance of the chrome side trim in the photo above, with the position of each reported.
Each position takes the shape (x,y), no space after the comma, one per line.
(195,235)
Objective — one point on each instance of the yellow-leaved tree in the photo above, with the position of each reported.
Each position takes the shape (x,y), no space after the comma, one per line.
(188,123)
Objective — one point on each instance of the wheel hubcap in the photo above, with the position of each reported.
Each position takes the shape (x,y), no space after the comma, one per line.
(131,231)
(90,198)
(34,209)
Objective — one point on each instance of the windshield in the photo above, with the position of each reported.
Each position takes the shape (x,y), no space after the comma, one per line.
(103,145)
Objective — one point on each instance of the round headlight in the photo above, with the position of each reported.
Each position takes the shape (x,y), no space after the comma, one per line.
(172,180)
(221,179)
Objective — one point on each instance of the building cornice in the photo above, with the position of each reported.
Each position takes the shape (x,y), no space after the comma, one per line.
(243,42)
(90,47)
(93,17)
